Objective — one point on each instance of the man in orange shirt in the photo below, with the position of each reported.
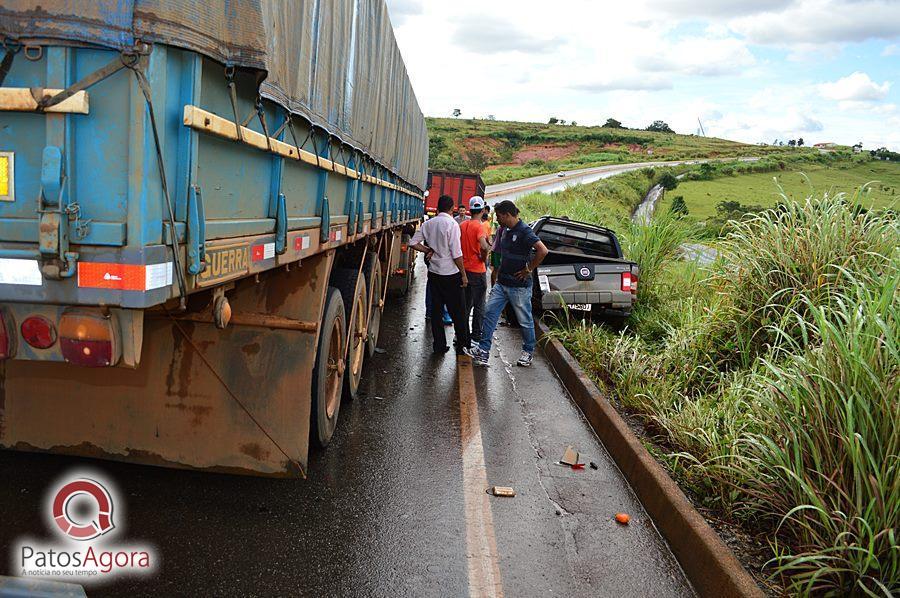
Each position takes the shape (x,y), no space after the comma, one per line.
(475,247)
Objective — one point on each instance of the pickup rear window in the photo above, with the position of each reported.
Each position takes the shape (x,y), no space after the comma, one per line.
(559,237)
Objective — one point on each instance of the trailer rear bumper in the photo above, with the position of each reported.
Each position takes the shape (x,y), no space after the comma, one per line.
(235,400)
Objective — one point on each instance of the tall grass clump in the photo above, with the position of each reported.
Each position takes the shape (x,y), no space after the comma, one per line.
(653,246)
(771,380)
(826,464)
(797,255)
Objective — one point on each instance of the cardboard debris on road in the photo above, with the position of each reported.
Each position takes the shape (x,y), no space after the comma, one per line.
(570,457)
(502,491)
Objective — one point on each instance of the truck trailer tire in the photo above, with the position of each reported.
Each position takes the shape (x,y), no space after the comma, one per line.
(399,283)
(411,256)
(353,291)
(375,284)
(328,373)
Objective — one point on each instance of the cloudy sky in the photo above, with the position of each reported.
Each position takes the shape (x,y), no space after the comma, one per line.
(751,70)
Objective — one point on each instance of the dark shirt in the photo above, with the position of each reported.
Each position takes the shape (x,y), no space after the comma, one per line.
(515,252)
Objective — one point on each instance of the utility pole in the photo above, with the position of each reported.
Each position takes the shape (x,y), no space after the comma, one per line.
(702,132)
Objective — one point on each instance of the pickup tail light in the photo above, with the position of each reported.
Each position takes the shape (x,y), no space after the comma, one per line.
(89,338)
(7,335)
(626,281)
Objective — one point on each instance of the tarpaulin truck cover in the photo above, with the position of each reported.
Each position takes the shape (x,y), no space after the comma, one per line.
(335,62)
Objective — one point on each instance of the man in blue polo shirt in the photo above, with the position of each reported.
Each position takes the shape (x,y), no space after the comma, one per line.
(521,252)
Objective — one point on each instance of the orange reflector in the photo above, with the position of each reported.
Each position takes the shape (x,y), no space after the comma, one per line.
(124,277)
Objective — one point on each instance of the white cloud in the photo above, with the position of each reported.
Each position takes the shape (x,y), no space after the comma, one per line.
(857,87)
(867,107)
(704,57)
(626,83)
(891,50)
(716,8)
(807,124)
(822,21)
(489,34)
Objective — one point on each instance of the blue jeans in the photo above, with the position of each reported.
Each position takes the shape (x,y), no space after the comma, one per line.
(520,299)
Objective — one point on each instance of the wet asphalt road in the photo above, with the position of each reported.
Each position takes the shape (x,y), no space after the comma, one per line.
(382,513)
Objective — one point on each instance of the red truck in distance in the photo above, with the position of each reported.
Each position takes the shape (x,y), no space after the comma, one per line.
(461,186)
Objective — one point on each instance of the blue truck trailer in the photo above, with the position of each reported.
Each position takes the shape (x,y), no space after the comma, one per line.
(202,209)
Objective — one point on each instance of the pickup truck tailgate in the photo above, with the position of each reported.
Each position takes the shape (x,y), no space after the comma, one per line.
(581,283)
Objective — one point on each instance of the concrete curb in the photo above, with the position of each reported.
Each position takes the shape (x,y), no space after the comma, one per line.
(708,562)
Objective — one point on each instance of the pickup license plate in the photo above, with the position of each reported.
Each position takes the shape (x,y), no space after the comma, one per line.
(579,306)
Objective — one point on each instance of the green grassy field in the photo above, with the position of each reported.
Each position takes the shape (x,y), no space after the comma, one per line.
(761,189)
(505,150)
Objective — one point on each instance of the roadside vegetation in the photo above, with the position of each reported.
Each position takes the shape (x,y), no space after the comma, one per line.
(797,179)
(505,151)
(769,381)
(607,200)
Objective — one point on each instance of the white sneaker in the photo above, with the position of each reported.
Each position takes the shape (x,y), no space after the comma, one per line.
(525,359)
(479,356)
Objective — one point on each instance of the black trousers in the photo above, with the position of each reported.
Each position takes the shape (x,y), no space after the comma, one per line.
(475,295)
(445,290)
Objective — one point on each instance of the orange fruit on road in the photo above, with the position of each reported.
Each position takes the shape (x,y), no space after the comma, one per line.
(623,518)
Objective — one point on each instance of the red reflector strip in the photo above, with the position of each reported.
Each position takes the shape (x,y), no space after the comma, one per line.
(263,252)
(124,277)
(336,235)
(301,243)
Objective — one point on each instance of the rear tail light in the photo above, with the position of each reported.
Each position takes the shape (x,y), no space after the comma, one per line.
(38,332)
(634,281)
(7,335)
(626,281)
(89,338)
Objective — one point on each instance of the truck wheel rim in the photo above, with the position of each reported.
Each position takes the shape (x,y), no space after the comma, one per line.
(375,308)
(335,368)
(358,341)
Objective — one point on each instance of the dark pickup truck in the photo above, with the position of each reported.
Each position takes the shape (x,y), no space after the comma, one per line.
(584,271)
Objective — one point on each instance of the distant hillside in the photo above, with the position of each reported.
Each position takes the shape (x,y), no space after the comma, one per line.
(506,150)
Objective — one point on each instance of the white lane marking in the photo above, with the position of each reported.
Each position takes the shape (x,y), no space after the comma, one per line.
(481,544)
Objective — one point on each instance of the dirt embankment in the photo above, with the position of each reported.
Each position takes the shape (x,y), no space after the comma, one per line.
(486,146)
(634,148)
(545,152)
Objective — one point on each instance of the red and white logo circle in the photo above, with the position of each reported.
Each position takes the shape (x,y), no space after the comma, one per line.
(96,502)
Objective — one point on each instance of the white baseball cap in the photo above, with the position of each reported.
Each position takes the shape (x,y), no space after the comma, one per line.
(476,203)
